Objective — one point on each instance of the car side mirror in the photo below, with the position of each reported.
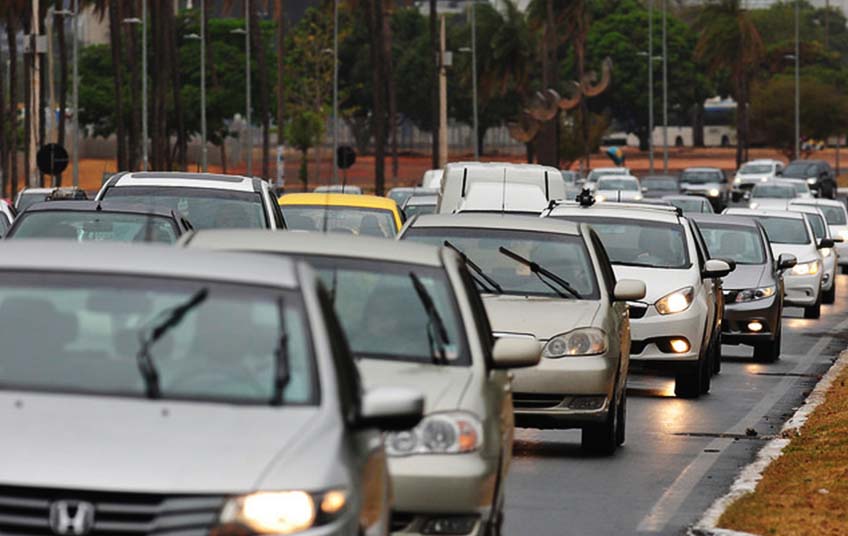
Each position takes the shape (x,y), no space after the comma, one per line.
(730,262)
(644,189)
(629,290)
(391,409)
(786,261)
(516,352)
(837,239)
(737,195)
(826,243)
(716,268)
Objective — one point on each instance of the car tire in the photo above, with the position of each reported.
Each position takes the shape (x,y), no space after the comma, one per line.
(621,430)
(717,355)
(687,384)
(813,311)
(829,296)
(601,439)
(707,372)
(844,269)
(768,352)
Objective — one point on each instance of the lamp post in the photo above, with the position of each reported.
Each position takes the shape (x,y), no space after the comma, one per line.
(75,93)
(143,22)
(651,60)
(195,37)
(476,124)
(665,85)
(797,82)
(246,32)
(335,92)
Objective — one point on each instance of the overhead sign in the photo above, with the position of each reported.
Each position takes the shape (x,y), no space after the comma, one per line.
(345,156)
(52,159)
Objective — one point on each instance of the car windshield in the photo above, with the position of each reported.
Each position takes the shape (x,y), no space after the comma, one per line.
(773,191)
(204,208)
(614,183)
(84,226)
(564,255)
(384,316)
(800,170)
(833,215)
(340,219)
(224,349)
(701,177)
(755,169)
(569,177)
(693,204)
(660,184)
(423,208)
(400,195)
(633,242)
(817,224)
(738,243)
(28,199)
(785,230)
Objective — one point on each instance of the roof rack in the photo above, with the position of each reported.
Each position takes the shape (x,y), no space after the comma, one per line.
(668,209)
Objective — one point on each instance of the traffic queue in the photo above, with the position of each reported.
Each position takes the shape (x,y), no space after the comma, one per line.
(213,359)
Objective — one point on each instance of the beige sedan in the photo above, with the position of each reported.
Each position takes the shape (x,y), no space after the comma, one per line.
(413,318)
(551,280)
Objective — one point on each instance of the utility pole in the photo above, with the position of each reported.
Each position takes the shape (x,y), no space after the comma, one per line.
(35,94)
(797,82)
(651,85)
(665,85)
(443,98)
(249,136)
(144,150)
(203,152)
(476,124)
(75,95)
(335,91)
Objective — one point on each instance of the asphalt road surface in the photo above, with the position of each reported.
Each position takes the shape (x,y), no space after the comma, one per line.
(680,455)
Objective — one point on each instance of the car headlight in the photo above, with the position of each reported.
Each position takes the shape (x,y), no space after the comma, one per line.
(765,179)
(279,512)
(753,204)
(579,342)
(713,192)
(600,198)
(806,268)
(438,433)
(637,197)
(812,180)
(737,180)
(675,302)
(755,294)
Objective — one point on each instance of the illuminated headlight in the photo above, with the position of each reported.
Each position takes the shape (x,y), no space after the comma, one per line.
(764,179)
(737,180)
(754,204)
(637,197)
(755,294)
(826,252)
(600,198)
(438,433)
(583,341)
(676,302)
(806,268)
(279,512)
(812,180)
(713,192)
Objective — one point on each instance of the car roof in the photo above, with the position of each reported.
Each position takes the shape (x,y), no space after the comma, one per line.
(819,201)
(701,168)
(765,213)
(497,221)
(338,200)
(809,209)
(96,206)
(310,243)
(684,197)
(37,190)
(618,178)
(762,161)
(146,260)
(186,180)
(722,219)
(633,211)
(422,200)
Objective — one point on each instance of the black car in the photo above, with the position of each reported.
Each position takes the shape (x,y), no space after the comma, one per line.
(817,173)
(657,186)
(98,221)
(753,292)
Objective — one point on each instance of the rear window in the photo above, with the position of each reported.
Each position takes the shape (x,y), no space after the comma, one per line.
(86,226)
(744,245)
(785,230)
(833,215)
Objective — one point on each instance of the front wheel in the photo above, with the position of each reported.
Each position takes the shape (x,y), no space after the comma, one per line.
(813,311)
(768,352)
(602,439)
(687,384)
(829,296)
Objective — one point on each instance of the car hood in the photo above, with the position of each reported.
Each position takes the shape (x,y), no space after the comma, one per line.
(747,276)
(442,386)
(803,252)
(658,282)
(538,316)
(769,203)
(134,445)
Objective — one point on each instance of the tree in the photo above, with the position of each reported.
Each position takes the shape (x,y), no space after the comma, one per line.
(730,42)
(304,130)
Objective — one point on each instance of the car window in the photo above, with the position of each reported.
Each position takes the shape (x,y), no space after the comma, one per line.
(785,230)
(800,170)
(701,177)
(374,222)
(481,317)
(833,215)
(773,191)
(738,243)
(817,224)
(564,255)
(384,317)
(613,183)
(755,169)
(204,208)
(225,348)
(645,243)
(85,226)
(660,184)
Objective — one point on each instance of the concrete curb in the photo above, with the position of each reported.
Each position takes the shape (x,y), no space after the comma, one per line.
(751,475)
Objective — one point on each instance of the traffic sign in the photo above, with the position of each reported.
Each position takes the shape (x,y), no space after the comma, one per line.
(346,156)
(52,159)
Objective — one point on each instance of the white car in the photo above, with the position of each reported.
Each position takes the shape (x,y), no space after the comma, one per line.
(517,198)
(617,188)
(815,217)
(757,171)
(207,200)
(597,173)
(551,280)
(790,233)
(677,327)
(771,196)
(802,189)
(837,220)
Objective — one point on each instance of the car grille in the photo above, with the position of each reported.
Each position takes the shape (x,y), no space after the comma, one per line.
(637,310)
(637,347)
(536,401)
(26,511)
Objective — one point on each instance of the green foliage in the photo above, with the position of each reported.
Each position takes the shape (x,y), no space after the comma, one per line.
(571,141)
(304,130)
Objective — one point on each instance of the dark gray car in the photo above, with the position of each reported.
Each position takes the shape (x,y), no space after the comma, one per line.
(818,175)
(753,292)
(657,186)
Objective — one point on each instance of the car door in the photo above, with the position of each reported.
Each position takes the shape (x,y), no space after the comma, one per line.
(619,317)
(711,287)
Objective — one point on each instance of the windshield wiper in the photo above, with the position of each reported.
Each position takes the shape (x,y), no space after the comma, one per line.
(173,316)
(437,335)
(487,282)
(281,368)
(541,272)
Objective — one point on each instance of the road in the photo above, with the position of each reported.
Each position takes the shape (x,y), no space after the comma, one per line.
(680,455)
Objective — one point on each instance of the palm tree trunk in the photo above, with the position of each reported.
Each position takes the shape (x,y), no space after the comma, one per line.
(390,85)
(11,35)
(741,112)
(262,63)
(27,114)
(375,23)
(115,18)
(174,64)
(63,77)
(160,66)
(546,141)
(4,132)
(281,94)
(434,87)
(133,150)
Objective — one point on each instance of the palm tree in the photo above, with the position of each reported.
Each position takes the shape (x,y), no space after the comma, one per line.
(258,44)
(12,14)
(730,43)
(374,16)
(391,87)
(434,88)
(280,15)
(63,76)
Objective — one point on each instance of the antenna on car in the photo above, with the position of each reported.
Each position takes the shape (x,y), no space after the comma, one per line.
(585,198)
(503,192)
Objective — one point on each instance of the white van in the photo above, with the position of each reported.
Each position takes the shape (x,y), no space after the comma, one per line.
(460,176)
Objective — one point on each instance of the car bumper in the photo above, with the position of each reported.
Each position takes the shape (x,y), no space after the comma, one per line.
(828,272)
(651,333)
(564,391)
(802,290)
(430,488)
(739,316)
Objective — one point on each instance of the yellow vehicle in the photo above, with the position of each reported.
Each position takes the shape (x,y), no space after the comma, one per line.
(365,215)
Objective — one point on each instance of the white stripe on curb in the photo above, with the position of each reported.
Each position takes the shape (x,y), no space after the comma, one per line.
(751,475)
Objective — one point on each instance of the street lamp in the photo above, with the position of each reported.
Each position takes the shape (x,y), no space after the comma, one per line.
(75,96)
(665,85)
(143,22)
(651,60)
(201,38)
(797,82)
(474,76)
(246,32)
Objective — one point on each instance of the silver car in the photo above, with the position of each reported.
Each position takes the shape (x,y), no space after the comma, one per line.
(617,188)
(836,215)
(815,217)
(551,280)
(414,319)
(199,391)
